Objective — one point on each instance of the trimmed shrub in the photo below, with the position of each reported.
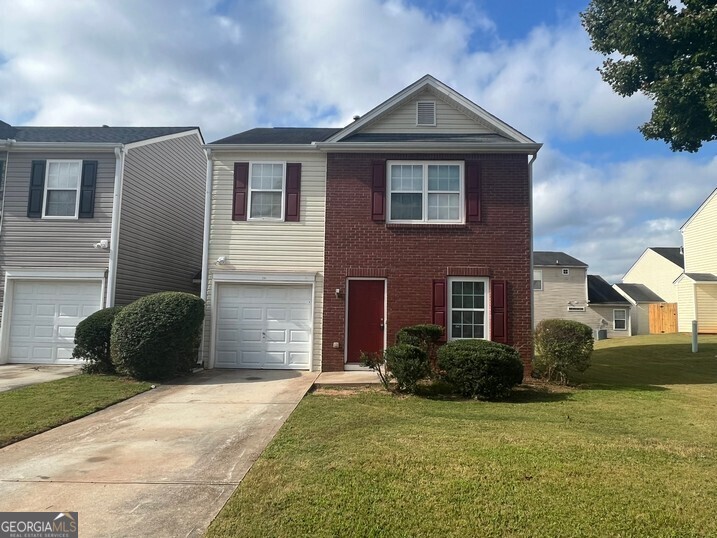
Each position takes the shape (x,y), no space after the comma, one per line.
(479,368)
(157,336)
(408,364)
(92,341)
(562,346)
(425,336)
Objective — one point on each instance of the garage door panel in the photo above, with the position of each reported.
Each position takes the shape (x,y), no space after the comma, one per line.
(261,335)
(44,315)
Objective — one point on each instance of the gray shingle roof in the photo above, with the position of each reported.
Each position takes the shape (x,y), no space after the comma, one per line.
(428,137)
(280,135)
(702,277)
(548,258)
(640,293)
(599,291)
(672,254)
(79,135)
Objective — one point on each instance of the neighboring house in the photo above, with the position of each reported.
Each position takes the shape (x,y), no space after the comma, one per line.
(640,297)
(562,289)
(657,268)
(92,217)
(697,286)
(325,242)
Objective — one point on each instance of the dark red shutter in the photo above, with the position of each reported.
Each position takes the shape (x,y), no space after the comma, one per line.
(241,186)
(499,311)
(472,191)
(378,191)
(293,192)
(37,189)
(87,189)
(439,306)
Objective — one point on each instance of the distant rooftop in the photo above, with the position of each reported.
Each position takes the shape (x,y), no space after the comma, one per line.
(79,135)
(280,135)
(673,254)
(600,292)
(545,258)
(640,293)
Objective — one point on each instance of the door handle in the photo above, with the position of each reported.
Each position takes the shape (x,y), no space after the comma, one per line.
(381,324)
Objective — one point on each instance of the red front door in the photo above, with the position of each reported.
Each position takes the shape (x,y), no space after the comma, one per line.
(365,318)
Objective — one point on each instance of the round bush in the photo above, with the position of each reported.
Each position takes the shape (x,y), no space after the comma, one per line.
(424,336)
(562,346)
(408,364)
(479,368)
(92,341)
(157,336)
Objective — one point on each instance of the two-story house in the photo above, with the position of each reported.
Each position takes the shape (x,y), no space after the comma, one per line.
(697,286)
(323,243)
(92,217)
(562,289)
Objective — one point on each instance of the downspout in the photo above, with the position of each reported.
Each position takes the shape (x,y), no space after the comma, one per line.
(114,233)
(205,240)
(530,195)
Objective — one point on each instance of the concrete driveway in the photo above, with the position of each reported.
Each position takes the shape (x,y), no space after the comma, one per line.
(160,464)
(13,376)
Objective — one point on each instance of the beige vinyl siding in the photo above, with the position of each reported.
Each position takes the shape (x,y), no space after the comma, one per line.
(640,318)
(657,273)
(699,240)
(448,119)
(266,246)
(706,297)
(558,290)
(162,218)
(685,305)
(44,244)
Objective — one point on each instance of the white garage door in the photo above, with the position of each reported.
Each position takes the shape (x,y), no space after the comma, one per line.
(44,316)
(263,326)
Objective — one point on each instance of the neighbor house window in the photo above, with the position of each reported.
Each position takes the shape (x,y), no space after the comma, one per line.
(537,279)
(62,189)
(619,320)
(425,192)
(468,304)
(266,191)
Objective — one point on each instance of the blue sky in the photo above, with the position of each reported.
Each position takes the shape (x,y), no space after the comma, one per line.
(602,193)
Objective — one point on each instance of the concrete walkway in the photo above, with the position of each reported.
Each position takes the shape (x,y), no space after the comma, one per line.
(350,378)
(160,464)
(13,376)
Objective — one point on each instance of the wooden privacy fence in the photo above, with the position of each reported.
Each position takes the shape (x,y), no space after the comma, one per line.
(663,318)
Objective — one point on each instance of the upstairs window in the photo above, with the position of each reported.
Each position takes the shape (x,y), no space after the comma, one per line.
(266,191)
(538,279)
(421,192)
(62,187)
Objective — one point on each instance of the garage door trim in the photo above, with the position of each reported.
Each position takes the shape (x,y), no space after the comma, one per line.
(13,275)
(271,278)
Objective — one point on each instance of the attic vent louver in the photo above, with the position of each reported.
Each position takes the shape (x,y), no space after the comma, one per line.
(425,113)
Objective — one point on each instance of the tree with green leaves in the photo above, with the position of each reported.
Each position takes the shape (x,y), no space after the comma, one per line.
(666,49)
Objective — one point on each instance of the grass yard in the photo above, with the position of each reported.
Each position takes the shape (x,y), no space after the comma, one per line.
(31,410)
(632,452)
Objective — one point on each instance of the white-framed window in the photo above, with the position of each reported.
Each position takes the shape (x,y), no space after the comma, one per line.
(619,317)
(468,308)
(267,182)
(537,279)
(62,189)
(426,113)
(425,192)
(566,272)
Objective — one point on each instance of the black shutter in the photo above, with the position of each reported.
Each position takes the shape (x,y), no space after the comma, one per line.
(87,189)
(241,188)
(37,189)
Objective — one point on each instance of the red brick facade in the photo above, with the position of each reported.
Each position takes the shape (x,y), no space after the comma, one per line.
(411,256)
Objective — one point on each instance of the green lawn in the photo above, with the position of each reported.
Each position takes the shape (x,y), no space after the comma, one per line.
(31,410)
(632,452)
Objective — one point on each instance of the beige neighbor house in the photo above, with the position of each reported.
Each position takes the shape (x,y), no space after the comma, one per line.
(657,269)
(563,289)
(92,217)
(697,286)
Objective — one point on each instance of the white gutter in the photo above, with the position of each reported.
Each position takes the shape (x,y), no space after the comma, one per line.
(65,146)
(205,242)
(261,147)
(114,233)
(530,195)
(436,147)
(207,223)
